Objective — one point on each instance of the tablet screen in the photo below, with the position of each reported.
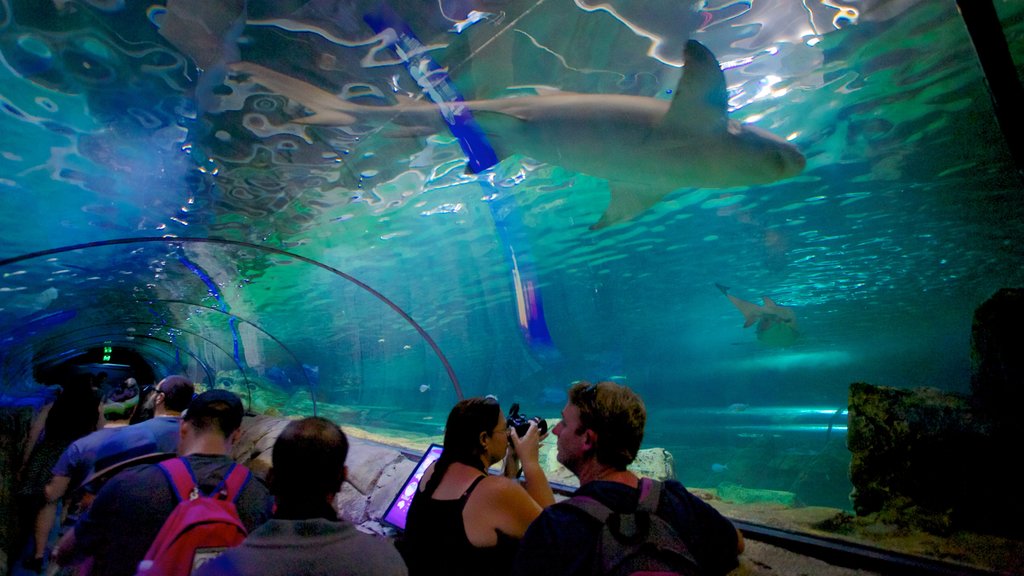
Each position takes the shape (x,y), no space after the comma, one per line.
(399,508)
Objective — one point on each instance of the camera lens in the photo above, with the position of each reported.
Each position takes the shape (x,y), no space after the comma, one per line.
(542,425)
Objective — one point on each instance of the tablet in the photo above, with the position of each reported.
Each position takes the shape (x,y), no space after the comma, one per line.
(399,508)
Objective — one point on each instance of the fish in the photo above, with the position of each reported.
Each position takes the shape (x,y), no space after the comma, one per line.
(424,388)
(776,325)
(29,303)
(473,17)
(644,147)
(719,468)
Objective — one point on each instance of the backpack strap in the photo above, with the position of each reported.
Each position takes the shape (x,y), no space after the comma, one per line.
(183,481)
(595,509)
(179,476)
(650,495)
(233,484)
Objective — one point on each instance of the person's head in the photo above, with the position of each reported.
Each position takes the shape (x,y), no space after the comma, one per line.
(308,467)
(603,422)
(171,396)
(119,404)
(75,413)
(215,411)
(476,433)
(211,424)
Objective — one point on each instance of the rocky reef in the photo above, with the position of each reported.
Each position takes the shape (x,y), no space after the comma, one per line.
(938,461)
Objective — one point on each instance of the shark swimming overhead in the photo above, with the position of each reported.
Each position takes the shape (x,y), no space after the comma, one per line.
(776,325)
(644,147)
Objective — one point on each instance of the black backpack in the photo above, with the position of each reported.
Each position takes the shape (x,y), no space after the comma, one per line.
(637,543)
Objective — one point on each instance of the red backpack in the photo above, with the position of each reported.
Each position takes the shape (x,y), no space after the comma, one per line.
(200,527)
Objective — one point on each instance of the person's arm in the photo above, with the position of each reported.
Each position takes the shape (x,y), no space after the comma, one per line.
(713,539)
(534,479)
(57,488)
(45,519)
(34,432)
(508,507)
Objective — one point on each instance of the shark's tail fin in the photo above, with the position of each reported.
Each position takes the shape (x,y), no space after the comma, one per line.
(724,289)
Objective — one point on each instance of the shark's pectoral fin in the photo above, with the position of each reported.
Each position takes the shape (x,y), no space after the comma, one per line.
(627,201)
(700,102)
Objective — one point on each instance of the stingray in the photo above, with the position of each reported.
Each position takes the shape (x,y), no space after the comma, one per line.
(644,147)
(776,325)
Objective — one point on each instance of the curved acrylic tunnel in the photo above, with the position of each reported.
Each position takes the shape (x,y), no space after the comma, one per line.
(188,306)
(160,355)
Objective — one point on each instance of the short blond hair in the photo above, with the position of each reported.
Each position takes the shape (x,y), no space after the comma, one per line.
(616,414)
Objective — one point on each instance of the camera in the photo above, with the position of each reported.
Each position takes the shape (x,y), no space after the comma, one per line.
(521,423)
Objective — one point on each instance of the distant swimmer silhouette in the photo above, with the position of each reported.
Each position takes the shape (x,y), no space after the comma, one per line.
(776,325)
(644,147)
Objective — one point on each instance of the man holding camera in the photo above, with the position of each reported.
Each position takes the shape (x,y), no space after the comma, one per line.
(599,435)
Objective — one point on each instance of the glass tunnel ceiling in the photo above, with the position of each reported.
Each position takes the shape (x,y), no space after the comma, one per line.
(125,126)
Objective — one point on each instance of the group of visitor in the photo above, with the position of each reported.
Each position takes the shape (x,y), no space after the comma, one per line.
(463,520)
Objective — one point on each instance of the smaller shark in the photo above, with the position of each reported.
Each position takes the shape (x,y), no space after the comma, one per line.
(776,325)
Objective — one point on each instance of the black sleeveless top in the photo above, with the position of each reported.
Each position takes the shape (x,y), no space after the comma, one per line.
(435,540)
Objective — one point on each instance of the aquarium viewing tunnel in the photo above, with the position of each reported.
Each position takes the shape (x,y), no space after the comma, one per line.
(369,209)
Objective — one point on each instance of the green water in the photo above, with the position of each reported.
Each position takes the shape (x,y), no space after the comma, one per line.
(906,218)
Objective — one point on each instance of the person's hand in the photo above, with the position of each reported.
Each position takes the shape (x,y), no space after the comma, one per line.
(511,468)
(527,448)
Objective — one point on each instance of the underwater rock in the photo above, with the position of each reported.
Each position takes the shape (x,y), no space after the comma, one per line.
(654,463)
(923,458)
(254,446)
(375,471)
(997,379)
(376,474)
(390,482)
(941,461)
(367,462)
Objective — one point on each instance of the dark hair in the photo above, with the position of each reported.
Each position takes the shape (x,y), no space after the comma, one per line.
(309,464)
(616,414)
(466,421)
(215,409)
(177,391)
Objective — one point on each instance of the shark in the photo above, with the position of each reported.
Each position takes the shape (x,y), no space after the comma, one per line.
(644,147)
(776,325)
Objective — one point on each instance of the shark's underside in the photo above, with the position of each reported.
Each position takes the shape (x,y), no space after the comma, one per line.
(644,147)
